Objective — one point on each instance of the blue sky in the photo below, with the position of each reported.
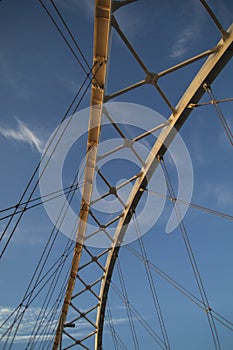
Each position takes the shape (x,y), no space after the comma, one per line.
(39,78)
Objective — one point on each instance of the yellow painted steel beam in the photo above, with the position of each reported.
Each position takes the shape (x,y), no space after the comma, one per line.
(102,24)
(207,74)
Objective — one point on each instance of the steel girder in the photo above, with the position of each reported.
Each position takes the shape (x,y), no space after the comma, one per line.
(206,75)
(100,57)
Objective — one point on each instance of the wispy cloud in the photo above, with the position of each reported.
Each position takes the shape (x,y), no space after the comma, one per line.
(29,320)
(183,42)
(32,314)
(22,133)
(190,32)
(223,195)
(26,325)
(220,196)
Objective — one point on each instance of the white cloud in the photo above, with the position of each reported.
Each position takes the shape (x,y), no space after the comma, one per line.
(183,42)
(29,321)
(190,32)
(27,324)
(220,195)
(224,195)
(22,133)
(82,327)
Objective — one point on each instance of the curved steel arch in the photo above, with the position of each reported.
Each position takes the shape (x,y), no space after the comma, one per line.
(206,75)
(212,67)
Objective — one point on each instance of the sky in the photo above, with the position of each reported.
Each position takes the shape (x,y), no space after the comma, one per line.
(39,79)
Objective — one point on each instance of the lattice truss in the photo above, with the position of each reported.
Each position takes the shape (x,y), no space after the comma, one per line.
(86,314)
(93,292)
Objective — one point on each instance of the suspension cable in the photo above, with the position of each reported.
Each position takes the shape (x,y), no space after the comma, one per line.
(60,193)
(70,34)
(62,35)
(198,302)
(27,294)
(151,283)
(128,310)
(37,167)
(139,317)
(190,204)
(41,316)
(219,112)
(200,104)
(112,328)
(192,259)
(45,152)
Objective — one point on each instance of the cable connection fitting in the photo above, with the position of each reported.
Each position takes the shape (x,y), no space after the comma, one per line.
(207,87)
(159,158)
(132,211)
(214,102)
(208,309)
(192,105)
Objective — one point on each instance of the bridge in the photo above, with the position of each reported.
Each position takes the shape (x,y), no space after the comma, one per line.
(134,258)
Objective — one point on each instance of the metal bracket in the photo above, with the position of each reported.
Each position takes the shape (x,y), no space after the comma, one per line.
(118,4)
